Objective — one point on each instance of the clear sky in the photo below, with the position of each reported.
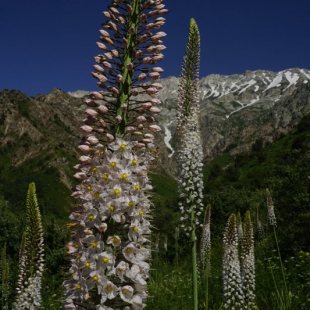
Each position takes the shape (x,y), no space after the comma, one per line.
(51,43)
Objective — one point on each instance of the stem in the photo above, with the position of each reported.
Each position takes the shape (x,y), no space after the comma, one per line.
(129,56)
(281,264)
(194,258)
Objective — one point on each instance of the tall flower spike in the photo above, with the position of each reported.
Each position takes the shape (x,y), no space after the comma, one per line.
(232,283)
(31,256)
(111,226)
(248,263)
(189,151)
(270,207)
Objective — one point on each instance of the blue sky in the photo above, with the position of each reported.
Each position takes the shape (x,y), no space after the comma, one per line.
(47,44)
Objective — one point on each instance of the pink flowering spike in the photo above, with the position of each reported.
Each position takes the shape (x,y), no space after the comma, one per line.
(109,137)
(103,109)
(154,128)
(101,46)
(96,96)
(87,128)
(154,110)
(154,75)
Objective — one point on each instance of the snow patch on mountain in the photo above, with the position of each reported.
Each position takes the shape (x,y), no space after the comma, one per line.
(167,139)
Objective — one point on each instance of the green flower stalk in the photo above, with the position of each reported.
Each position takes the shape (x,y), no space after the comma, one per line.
(189,151)
(232,282)
(31,257)
(248,263)
(111,226)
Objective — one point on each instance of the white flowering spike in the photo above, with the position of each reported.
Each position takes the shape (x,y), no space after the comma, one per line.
(232,282)
(189,151)
(31,257)
(248,263)
(270,207)
(111,228)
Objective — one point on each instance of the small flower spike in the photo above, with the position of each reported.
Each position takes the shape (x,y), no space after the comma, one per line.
(31,257)
(232,282)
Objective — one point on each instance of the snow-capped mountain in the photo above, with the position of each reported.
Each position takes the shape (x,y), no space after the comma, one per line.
(237,110)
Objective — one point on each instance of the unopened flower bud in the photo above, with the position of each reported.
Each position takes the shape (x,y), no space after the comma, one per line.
(154,110)
(92,140)
(141,77)
(118,119)
(90,103)
(135,92)
(84,148)
(130,129)
(154,128)
(104,33)
(101,46)
(98,68)
(91,112)
(119,78)
(109,137)
(154,75)
(125,41)
(87,128)
(102,109)
(141,119)
(124,107)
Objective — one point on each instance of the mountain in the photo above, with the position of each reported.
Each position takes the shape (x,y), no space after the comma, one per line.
(43,132)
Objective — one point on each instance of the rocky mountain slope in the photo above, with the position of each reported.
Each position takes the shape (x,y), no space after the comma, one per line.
(236,110)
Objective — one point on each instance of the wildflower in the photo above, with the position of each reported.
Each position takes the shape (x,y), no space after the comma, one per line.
(248,263)
(232,284)
(270,207)
(189,151)
(110,237)
(31,257)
